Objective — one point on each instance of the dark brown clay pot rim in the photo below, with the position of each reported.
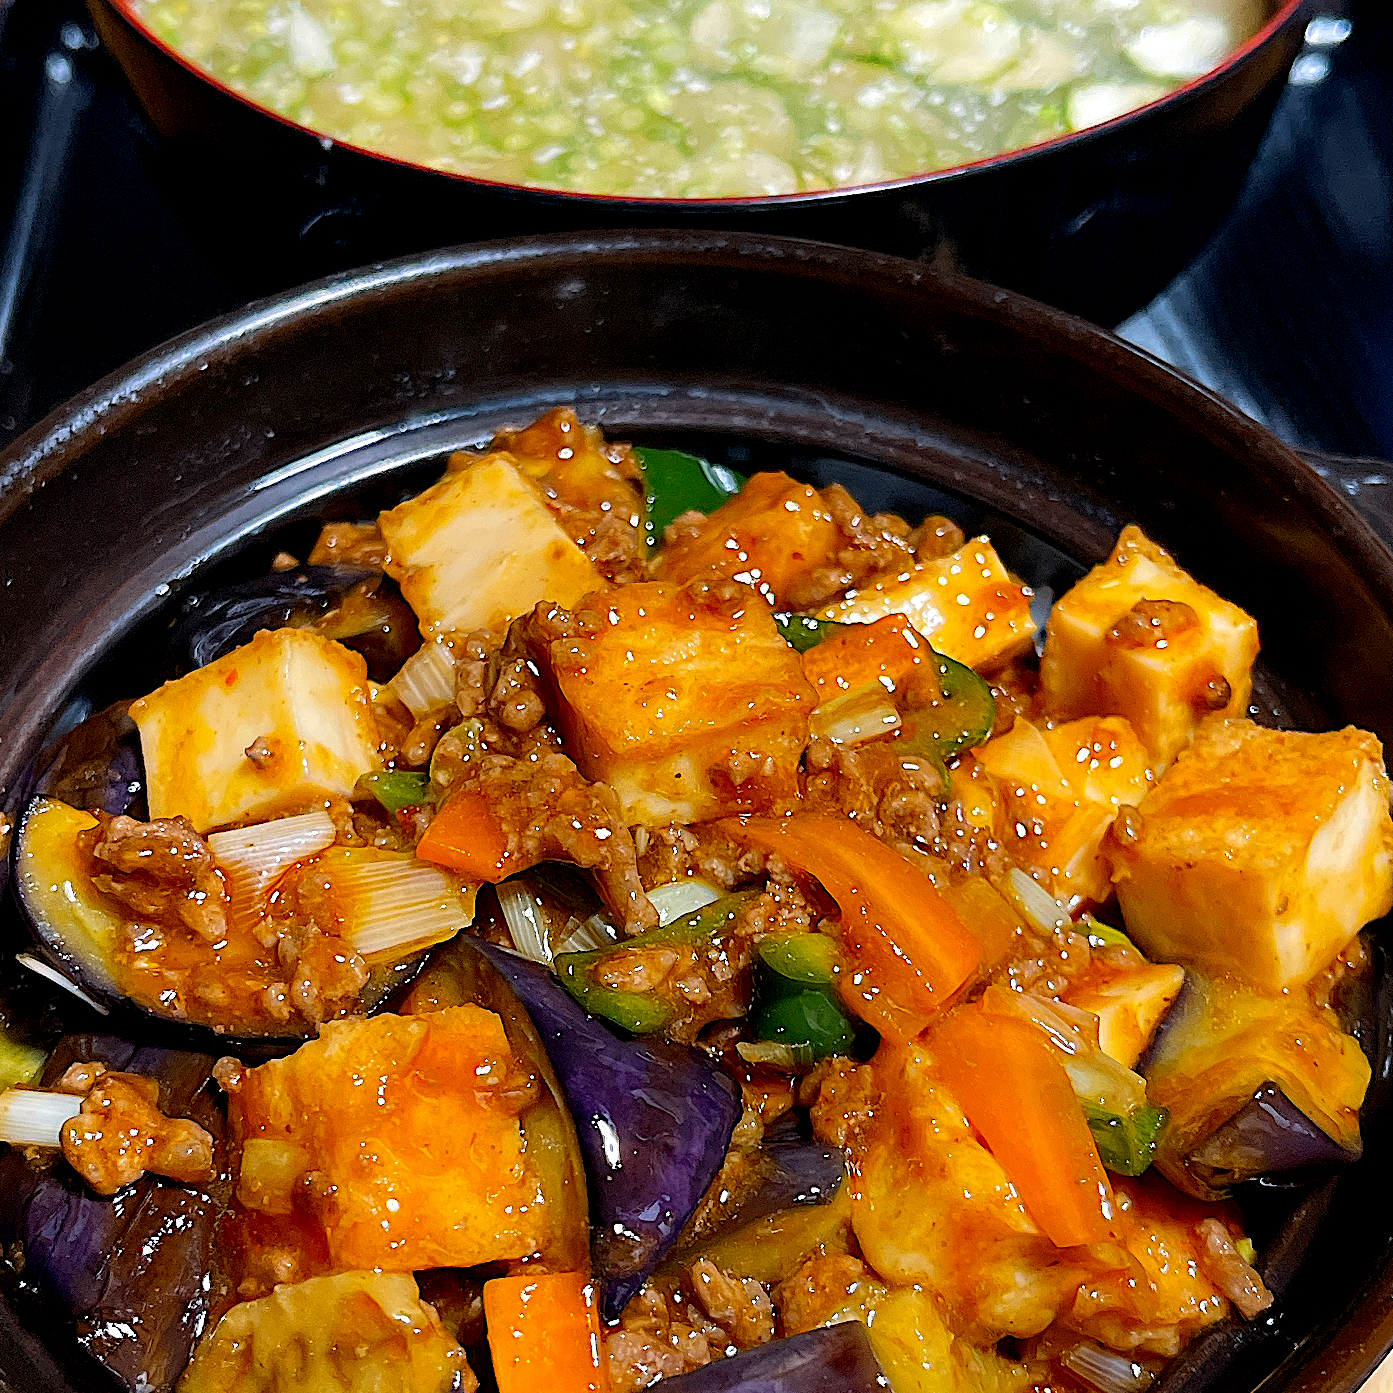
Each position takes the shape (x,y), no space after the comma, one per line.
(1285,13)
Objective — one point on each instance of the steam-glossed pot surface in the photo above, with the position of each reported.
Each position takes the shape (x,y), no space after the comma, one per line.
(921,392)
(1095,222)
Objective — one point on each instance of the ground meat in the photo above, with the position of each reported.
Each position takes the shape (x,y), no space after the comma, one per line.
(936,536)
(121,1133)
(842,1099)
(821,1284)
(418,744)
(740,1306)
(681,853)
(161,868)
(659,1336)
(350,544)
(1229,1272)
(872,546)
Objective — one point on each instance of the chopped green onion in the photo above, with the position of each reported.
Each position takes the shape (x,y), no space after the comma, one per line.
(529,925)
(1102,935)
(804,631)
(396,789)
(253,858)
(680,897)
(426,679)
(1126,1142)
(33,1117)
(394,905)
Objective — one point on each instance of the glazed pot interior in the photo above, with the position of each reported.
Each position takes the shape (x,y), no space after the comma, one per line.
(920,393)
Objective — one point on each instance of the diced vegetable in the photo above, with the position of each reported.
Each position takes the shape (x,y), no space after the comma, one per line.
(544,1333)
(835,1359)
(804,631)
(688,704)
(33,1117)
(283,721)
(796,996)
(252,859)
(1127,1142)
(357,1330)
(654,1119)
(397,789)
(643,1012)
(480,548)
(426,679)
(681,897)
(1015,1092)
(907,951)
(1261,852)
(676,482)
(464,836)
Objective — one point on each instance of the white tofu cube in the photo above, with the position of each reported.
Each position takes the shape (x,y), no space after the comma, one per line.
(279,723)
(965,604)
(1138,637)
(1261,852)
(480,548)
(1062,788)
(1129,1004)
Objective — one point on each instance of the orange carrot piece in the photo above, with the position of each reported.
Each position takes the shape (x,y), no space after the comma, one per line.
(465,837)
(887,653)
(1009,1081)
(544,1334)
(908,951)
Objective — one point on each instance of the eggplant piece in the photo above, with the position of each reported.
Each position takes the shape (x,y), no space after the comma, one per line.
(1252,1084)
(832,1359)
(654,1121)
(134,1273)
(356,605)
(97,765)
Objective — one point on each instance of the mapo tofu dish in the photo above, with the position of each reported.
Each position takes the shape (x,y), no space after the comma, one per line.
(607,921)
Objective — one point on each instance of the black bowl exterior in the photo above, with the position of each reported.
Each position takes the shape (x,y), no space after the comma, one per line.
(1096,223)
(176,462)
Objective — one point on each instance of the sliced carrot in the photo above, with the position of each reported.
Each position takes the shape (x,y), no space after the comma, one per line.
(887,653)
(466,837)
(908,951)
(1010,1083)
(544,1334)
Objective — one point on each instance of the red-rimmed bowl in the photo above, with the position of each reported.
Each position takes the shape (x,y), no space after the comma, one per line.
(1095,221)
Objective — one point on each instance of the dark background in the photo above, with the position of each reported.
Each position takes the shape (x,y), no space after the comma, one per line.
(1289,311)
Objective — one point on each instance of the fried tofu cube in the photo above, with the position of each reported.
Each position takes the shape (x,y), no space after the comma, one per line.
(965,604)
(363,1330)
(480,548)
(1062,789)
(281,722)
(683,699)
(410,1124)
(1261,852)
(773,535)
(1129,1002)
(1138,637)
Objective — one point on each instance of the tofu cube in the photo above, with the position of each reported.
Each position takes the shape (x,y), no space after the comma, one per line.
(1129,1003)
(773,535)
(1261,852)
(480,548)
(1062,789)
(411,1124)
(296,701)
(1137,637)
(965,604)
(685,700)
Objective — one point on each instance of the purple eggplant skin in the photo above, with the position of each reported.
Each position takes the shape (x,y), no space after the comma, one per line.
(135,1273)
(654,1121)
(97,765)
(1268,1136)
(833,1359)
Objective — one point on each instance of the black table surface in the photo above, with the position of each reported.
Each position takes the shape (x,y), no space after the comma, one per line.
(1288,312)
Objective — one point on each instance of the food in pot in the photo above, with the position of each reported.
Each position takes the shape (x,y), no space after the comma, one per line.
(701,98)
(721,953)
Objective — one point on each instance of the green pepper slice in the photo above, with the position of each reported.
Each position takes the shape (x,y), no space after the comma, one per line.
(804,631)
(809,1021)
(796,961)
(959,718)
(1126,1144)
(676,482)
(643,1012)
(1102,935)
(396,789)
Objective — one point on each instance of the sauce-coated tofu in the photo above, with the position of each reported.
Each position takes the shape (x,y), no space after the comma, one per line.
(1062,789)
(1138,637)
(480,548)
(774,534)
(1261,852)
(278,723)
(407,1127)
(685,700)
(965,604)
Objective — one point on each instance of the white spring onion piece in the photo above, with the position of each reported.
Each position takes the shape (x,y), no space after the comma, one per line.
(47,970)
(850,721)
(396,906)
(254,858)
(1105,1370)
(771,1053)
(681,897)
(425,680)
(32,1117)
(1035,903)
(529,924)
(585,937)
